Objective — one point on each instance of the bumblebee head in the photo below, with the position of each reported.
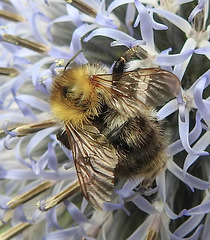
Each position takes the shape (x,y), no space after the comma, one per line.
(73,96)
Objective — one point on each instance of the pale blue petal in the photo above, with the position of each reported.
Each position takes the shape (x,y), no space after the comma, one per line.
(171,60)
(57,176)
(198,93)
(194,181)
(3,172)
(196,10)
(52,159)
(171,214)
(34,102)
(144,205)
(73,16)
(117,3)
(161,185)
(36,69)
(8,140)
(206,229)
(194,236)
(196,131)
(18,154)
(181,105)
(107,206)
(51,218)
(111,33)
(69,234)
(179,70)
(3,202)
(21,79)
(76,45)
(188,226)
(20,60)
(156,25)
(178,21)
(167,109)
(105,21)
(40,165)
(200,209)
(11,133)
(38,138)
(19,216)
(200,145)
(203,50)
(127,43)
(57,53)
(25,109)
(35,28)
(128,187)
(183,132)
(129,18)
(146,24)
(142,230)
(75,212)
(19,175)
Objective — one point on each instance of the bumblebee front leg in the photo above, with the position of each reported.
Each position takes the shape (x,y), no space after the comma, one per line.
(134,52)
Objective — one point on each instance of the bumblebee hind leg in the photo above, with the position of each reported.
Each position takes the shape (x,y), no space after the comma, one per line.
(134,52)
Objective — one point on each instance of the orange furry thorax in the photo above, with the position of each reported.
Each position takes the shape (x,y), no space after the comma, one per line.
(73,97)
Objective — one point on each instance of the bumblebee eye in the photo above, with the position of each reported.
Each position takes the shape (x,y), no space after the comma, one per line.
(65,92)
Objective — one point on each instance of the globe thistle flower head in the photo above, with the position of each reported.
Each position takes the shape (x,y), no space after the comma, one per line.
(39,186)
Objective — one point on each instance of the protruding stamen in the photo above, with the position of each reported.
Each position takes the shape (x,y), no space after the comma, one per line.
(25,197)
(83,7)
(7,217)
(32,128)
(11,16)
(151,235)
(154,229)
(26,129)
(38,47)
(11,72)
(58,198)
(13,231)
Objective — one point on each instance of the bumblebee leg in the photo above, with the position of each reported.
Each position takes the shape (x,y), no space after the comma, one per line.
(134,52)
(119,65)
(63,138)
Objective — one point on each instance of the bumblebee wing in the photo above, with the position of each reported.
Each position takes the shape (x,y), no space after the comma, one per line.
(151,86)
(95,160)
(155,86)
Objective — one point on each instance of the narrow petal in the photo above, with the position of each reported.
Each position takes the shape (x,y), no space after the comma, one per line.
(200,209)
(142,229)
(178,21)
(37,138)
(51,217)
(200,145)
(111,33)
(188,226)
(52,159)
(198,92)
(146,25)
(64,234)
(144,205)
(172,60)
(184,131)
(180,68)
(194,181)
(206,229)
(76,214)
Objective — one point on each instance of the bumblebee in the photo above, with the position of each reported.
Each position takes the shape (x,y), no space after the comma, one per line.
(110,122)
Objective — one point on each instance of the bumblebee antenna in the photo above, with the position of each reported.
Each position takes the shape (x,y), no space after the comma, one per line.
(71,59)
